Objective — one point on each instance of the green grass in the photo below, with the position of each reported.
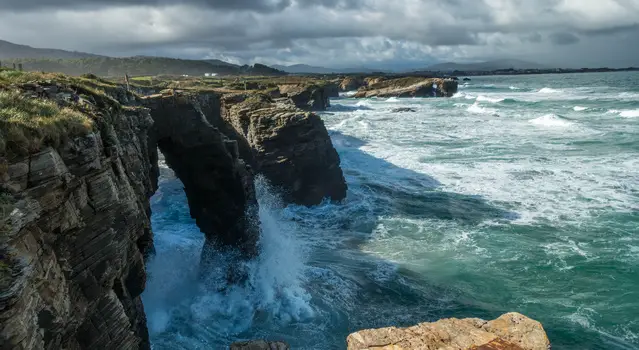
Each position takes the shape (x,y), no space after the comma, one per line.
(27,124)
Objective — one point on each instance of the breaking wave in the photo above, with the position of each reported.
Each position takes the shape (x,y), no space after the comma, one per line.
(551,120)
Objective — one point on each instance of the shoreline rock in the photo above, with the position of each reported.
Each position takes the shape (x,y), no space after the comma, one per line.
(511,331)
(410,87)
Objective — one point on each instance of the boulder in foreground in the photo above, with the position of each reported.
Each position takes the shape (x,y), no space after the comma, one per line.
(511,331)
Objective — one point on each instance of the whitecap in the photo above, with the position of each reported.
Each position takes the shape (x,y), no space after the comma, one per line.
(627,113)
(392,99)
(476,108)
(483,98)
(550,120)
(548,90)
(348,93)
(630,113)
(579,108)
(514,88)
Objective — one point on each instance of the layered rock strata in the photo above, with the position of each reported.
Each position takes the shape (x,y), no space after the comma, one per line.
(74,237)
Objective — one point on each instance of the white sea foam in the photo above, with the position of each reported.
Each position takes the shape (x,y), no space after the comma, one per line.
(579,108)
(630,113)
(548,90)
(273,284)
(550,120)
(348,93)
(477,109)
(392,99)
(482,98)
(514,88)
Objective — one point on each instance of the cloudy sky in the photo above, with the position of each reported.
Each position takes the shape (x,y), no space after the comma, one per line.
(336,33)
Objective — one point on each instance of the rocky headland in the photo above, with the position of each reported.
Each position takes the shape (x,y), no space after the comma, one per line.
(408,87)
(79,163)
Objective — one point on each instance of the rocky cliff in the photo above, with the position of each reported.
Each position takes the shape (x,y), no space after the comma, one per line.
(76,227)
(309,97)
(291,147)
(78,164)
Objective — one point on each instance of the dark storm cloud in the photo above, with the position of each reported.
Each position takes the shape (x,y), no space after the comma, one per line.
(251,5)
(336,31)
(563,38)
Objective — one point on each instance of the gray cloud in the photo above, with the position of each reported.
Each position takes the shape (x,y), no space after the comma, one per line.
(563,38)
(335,32)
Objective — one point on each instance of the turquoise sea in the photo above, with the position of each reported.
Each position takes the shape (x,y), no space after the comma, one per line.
(520,193)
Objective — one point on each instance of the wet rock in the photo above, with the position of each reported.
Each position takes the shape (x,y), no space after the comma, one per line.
(511,331)
(404,110)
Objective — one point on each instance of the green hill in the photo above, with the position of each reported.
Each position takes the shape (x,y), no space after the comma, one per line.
(139,66)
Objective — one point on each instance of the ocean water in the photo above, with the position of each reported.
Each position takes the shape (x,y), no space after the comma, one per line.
(518,194)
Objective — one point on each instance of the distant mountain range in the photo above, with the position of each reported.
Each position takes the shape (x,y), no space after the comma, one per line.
(485,66)
(77,63)
(72,62)
(306,69)
(439,67)
(10,51)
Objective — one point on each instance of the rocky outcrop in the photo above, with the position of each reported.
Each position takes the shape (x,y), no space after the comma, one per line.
(511,331)
(291,147)
(351,83)
(308,97)
(218,184)
(410,87)
(75,233)
(260,345)
(403,110)
(331,89)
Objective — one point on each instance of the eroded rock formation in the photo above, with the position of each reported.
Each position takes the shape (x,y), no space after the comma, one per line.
(511,331)
(309,97)
(218,184)
(410,87)
(292,148)
(351,83)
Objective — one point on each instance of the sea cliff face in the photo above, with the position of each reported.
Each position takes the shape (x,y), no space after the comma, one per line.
(75,224)
(76,230)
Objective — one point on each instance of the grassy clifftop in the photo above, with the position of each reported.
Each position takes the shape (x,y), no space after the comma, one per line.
(39,109)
